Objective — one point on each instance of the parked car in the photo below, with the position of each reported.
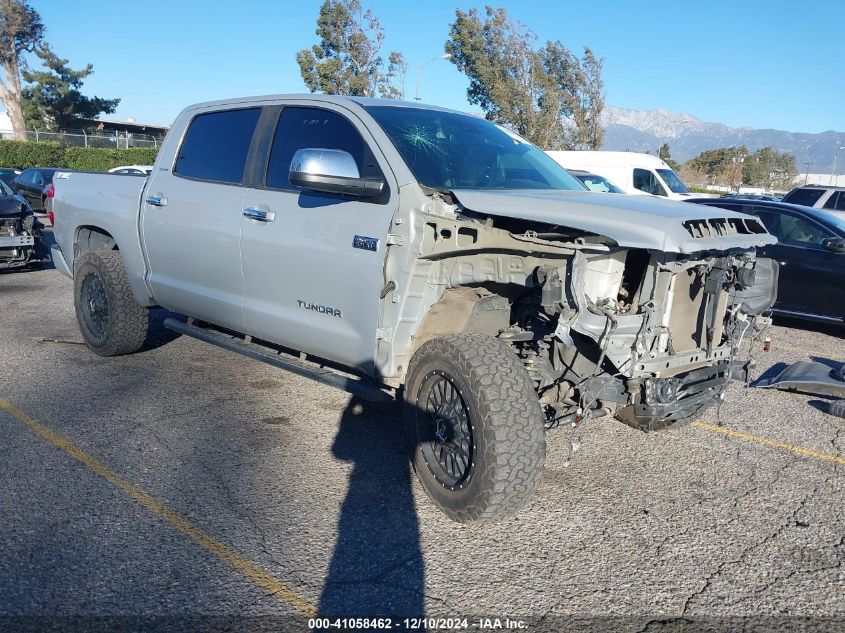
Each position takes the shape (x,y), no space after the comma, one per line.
(21,241)
(634,173)
(831,199)
(810,252)
(751,196)
(132,170)
(594,182)
(398,245)
(8,175)
(35,184)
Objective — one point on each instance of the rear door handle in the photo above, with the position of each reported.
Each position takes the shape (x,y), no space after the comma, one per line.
(156,201)
(260,215)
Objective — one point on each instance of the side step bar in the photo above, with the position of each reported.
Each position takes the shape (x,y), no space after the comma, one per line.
(362,388)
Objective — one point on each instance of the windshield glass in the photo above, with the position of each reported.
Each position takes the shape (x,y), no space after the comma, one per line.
(671,179)
(6,189)
(599,183)
(445,150)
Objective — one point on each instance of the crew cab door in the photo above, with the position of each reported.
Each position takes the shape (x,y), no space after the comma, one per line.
(810,275)
(309,283)
(191,218)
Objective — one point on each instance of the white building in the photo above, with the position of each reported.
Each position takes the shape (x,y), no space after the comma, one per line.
(826,180)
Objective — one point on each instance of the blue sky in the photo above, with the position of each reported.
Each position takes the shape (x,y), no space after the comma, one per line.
(766,64)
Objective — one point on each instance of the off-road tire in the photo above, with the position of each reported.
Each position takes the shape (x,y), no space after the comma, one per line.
(627,415)
(505,418)
(125,328)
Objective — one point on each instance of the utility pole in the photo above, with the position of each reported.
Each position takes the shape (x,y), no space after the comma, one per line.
(834,177)
(807,173)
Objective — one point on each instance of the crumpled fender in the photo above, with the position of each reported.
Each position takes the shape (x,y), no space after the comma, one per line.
(808,376)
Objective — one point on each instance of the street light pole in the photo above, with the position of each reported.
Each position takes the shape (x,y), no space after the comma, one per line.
(834,177)
(684,123)
(419,70)
(807,173)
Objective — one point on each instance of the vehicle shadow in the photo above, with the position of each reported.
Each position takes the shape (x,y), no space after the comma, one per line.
(822,405)
(157,334)
(376,568)
(49,240)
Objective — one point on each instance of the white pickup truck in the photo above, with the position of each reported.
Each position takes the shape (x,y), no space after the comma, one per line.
(398,250)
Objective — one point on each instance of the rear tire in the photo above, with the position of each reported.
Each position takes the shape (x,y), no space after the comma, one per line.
(476,427)
(111,321)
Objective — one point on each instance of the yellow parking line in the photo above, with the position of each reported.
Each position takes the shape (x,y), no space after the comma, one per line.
(258,576)
(800,450)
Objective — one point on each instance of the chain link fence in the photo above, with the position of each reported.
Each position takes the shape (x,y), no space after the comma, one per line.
(81,138)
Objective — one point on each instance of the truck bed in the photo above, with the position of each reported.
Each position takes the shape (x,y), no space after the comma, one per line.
(111,202)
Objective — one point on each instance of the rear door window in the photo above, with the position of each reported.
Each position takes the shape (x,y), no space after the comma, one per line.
(807,197)
(836,202)
(646,180)
(216,146)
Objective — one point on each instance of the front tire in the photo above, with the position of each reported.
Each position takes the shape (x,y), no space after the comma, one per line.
(476,427)
(110,320)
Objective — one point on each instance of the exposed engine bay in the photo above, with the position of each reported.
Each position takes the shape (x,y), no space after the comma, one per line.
(650,336)
(21,239)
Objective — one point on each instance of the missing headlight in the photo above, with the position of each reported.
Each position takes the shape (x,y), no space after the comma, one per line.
(661,390)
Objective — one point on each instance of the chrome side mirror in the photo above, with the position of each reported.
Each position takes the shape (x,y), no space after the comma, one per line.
(331,171)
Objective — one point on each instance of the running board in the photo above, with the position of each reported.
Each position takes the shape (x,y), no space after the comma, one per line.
(362,388)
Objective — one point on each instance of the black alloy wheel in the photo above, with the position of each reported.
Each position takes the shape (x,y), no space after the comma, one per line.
(444,431)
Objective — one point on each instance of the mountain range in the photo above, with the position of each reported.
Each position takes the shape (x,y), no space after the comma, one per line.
(646,130)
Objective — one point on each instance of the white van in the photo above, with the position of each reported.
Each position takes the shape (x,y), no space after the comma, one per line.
(638,174)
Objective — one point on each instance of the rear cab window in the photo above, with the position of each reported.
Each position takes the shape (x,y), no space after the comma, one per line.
(216,146)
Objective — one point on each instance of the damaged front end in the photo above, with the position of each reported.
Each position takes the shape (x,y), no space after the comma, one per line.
(21,239)
(647,330)
(651,337)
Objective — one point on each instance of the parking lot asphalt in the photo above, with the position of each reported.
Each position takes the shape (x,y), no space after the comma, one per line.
(186,487)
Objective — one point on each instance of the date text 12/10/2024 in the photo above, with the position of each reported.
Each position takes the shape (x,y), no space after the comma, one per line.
(415,624)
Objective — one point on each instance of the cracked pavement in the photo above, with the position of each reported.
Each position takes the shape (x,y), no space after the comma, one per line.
(638,531)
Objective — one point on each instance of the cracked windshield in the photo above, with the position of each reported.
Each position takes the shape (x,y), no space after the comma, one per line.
(453,151)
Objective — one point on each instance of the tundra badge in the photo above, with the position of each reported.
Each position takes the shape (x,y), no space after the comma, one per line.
(307,305)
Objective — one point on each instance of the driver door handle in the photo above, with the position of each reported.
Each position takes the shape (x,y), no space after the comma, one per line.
(259,215)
